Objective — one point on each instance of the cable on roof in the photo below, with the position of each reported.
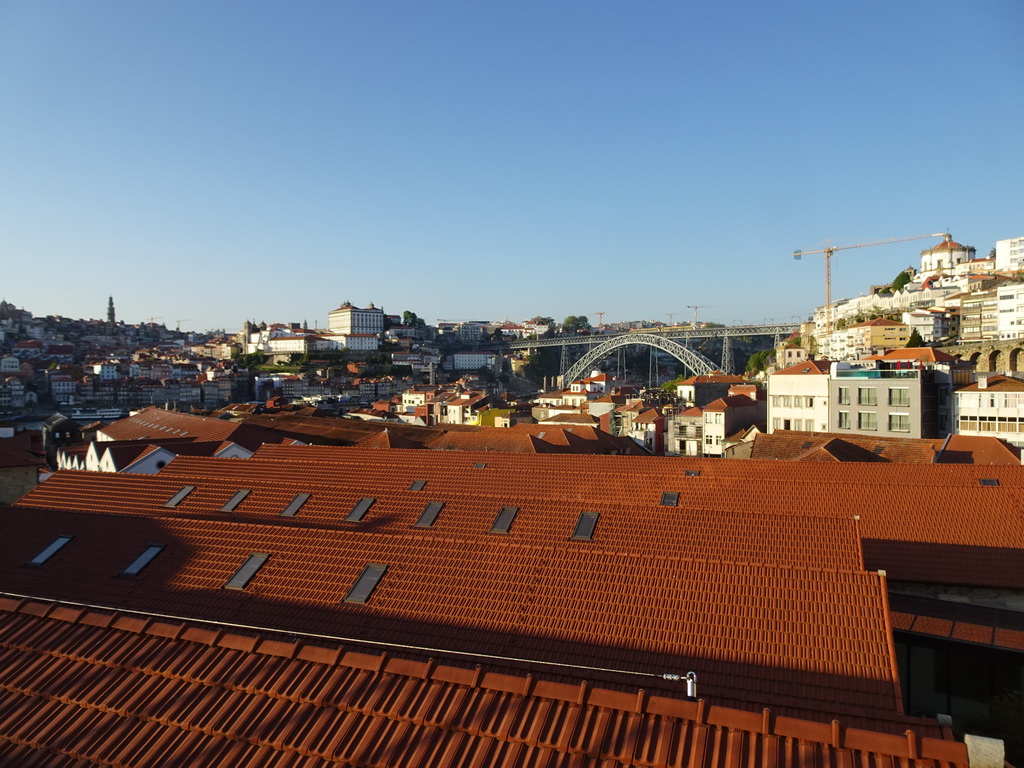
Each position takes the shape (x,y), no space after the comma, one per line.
(336,638)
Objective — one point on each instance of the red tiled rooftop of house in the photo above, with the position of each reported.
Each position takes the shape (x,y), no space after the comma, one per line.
(995,383)
(793,445)
(916,354)
(730,401)
(807,367)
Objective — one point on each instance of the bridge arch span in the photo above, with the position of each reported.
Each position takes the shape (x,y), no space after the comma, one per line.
(694,361)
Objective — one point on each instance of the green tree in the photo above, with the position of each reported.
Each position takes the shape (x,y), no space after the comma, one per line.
(915,339)
(412,320)
(572,324)
(900,282)
(759,361)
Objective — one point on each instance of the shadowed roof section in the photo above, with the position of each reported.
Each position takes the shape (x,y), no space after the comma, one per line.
(794,445)
(180,693)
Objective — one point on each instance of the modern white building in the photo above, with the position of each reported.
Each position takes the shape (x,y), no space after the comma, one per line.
(1010,254)
(934,323)
(1010,311)
(798,397)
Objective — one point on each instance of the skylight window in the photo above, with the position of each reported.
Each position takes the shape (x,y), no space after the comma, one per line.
(669,499)
(692,473)
(366,583)
(503,522)
(179,496)
(143,560)
(418,485)
(247,570)
(990,481)
(360,509)
(235,500)
(430,513)
(481,465)
(51,550)
(585,526)
(295,505)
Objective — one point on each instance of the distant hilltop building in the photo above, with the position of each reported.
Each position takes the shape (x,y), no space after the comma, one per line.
(348,319)
(945,256)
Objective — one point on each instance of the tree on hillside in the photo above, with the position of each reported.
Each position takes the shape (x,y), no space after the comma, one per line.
(759,361)
(410,319)
(572,324)
(915,339)
(901,280)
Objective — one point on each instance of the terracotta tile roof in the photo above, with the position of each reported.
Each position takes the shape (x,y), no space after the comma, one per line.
(976,449)
(793,445)
(15,456)
(714,378)
(807,367)
(312,569)
(996,383)
(326,431)
(154,422)
(731,401)
(387,439)
(747,535)
(170,692)
(917,354)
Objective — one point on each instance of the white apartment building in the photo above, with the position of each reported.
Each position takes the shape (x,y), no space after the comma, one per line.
(933,324)
(798,397)
(348,319)
(993,406)
(1010,306)
(1010,254)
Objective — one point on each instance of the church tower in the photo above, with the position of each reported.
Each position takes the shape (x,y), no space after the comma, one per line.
(111,321)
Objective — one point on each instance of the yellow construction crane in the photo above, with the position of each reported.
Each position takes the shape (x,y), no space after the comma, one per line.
(830,250)
(181,320)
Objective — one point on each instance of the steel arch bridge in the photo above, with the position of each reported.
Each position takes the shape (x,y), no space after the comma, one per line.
(696,362)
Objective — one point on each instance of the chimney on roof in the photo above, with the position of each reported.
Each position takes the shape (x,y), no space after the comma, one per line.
(983,382)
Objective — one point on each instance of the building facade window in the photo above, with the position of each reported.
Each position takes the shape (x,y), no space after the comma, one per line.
(867,420)
(867,396)
(899,396)
(899,422)
(844,420)
(844,395)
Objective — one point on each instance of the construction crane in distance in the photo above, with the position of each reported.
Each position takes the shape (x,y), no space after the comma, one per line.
(181,320)
(600,320)
(830,250)
(695,307)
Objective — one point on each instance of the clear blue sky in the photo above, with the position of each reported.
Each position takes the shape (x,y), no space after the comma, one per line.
(217,161)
